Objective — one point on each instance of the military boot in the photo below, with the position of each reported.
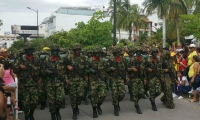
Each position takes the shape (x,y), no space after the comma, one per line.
(86,101)
(95,112)
(53,116)
(74,117)
(99,108)
(58,117)
(31,115)
(116,110)
(77,110)
(138,109)
(43,105)
(26,118)
(153,106)
(118,107)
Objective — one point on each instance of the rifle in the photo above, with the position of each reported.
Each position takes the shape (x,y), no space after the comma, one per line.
(75,69)
(172,76)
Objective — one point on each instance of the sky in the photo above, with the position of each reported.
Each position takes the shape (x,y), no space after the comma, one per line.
(15,12)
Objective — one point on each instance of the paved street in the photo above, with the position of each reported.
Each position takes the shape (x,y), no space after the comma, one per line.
(184,110)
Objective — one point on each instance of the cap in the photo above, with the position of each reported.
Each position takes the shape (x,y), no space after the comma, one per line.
(192,45)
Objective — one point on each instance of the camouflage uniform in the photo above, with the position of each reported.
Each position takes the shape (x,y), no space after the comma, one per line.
(168,78)
(54,78)
(136,81)
(28,80)
(116,69)
(42,87)
(153,77)
(77,79)
(97,86)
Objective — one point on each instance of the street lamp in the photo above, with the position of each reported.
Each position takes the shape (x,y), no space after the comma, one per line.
(37,21)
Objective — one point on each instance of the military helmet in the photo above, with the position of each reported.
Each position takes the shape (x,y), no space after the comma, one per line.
(166,52)
(116,49)
(145,50)
(54,47)
(76,46)
(29,45)
(138,48)
(89,51)
(154,50)
(97,49)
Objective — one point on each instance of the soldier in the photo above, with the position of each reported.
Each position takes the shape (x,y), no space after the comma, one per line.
(77,77)
(135,70)
(28,66)
(97,84)
(117,73)
(153,77)
(55,79)
(168,76)
(42,88)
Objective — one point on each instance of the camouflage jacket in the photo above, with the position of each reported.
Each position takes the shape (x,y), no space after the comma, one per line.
(29,76)
(171,74)
(133,62)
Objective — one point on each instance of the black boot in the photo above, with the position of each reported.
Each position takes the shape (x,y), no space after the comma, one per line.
(118,107)
(95,112)
(138,109)
(77,110)
(53,116)
(153,106)
(86,101)
(58,117)
(26,118)
(116,111)
(74,117)
(43,105)
(99,108)
(31,115)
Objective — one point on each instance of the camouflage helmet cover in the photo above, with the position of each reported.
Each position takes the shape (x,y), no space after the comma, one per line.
(55,47)
(116,49)
(29,45)
(76,46)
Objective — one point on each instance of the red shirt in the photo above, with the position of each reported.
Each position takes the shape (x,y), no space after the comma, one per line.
(181,67)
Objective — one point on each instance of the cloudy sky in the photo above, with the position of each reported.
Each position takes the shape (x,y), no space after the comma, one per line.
(16,12)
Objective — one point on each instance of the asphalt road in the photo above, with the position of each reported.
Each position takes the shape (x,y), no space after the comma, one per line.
(184,110)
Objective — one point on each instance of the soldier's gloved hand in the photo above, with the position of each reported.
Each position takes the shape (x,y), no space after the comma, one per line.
(23,67)
(67,81)
(69,67)
(150,70)
(135,70)
(112,68)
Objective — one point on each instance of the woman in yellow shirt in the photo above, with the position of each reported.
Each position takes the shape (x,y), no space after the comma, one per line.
(193,71)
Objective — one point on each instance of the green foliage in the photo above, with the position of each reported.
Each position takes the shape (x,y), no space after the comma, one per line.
(17,45)
(190,25)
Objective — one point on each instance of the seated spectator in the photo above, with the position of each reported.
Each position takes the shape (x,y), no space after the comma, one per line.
(182,85)
(193,71)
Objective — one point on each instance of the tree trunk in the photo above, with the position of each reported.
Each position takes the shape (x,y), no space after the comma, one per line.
(130,33)
(164,31)
(119,37)
(178,32)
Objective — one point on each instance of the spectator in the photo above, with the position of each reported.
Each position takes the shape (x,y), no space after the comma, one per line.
(179,47)
(2,95)
(193,71)
(192,53)
(182,85)
(183,63)
(9,81)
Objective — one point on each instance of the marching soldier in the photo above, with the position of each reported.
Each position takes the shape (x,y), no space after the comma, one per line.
(28,65)
(117,73)
(97,84)
(168,76)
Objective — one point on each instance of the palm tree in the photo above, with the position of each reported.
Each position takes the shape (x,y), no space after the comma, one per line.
(177,7)
(162,7)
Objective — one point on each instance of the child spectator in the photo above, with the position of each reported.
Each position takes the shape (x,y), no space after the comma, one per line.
(182,84)
(9,81)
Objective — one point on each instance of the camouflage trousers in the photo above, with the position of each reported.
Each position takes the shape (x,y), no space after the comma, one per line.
(42,93)
(167,98)
(154,88)
(77,91)
(118,89)
(29,99)
(136,90)
(97,91)
(55,96)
